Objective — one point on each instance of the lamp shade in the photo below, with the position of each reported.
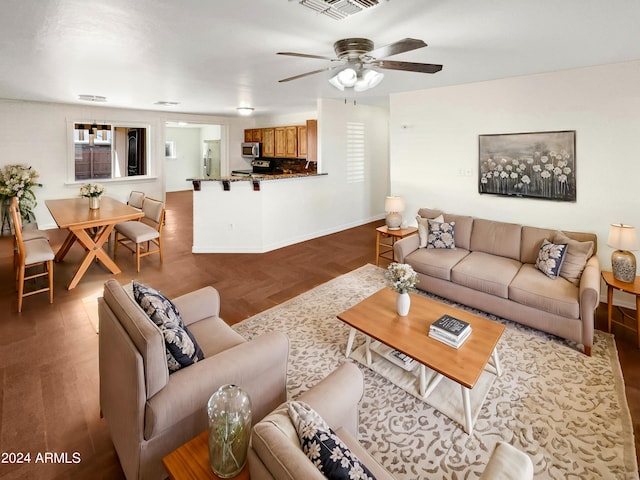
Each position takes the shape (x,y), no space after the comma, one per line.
(622,237)
(393,204)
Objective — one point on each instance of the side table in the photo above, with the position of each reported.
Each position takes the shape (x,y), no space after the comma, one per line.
(191,461)
(634,289)
(394,235)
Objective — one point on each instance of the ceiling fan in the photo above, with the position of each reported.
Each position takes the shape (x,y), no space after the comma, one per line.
(359,57)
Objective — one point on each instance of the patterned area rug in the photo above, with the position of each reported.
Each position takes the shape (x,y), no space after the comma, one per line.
(567,411)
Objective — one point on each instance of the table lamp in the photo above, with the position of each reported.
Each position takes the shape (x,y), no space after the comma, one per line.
(393,205)
(623,262)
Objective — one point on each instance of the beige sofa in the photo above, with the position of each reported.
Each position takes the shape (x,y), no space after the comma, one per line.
(492,268)
(275,452)
(149,412)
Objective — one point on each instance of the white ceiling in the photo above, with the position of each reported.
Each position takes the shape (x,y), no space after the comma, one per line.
(212,56)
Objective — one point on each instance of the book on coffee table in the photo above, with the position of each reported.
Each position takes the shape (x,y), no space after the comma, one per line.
(450,327)
(435,334)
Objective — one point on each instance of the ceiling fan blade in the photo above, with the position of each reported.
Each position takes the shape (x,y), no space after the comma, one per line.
(395,48)
(408,66)
(306,55)
(305,74)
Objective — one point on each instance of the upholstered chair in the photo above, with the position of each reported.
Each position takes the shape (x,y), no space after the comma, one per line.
(143,237)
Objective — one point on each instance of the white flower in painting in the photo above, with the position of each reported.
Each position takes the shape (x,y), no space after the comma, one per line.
(483,179)
(508,168)
(544,159)
(545,174)
(549,166)
(537,168)
(566,170)
(562,178)
(514,175)
(503,175)
(496,173)
(526,179)
(557,171)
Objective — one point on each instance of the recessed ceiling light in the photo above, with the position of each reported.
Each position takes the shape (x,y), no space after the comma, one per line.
(92,98)
(166,104)
(245,110)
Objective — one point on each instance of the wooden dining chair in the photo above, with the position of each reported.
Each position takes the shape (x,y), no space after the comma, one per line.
(142,236)
(136,199)
(31,253)
(27,233)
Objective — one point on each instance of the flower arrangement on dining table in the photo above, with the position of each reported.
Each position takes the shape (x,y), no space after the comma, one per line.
(92,190)
(17,180)
(401,277)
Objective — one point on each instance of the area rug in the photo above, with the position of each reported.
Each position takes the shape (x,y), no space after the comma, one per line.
(566,410)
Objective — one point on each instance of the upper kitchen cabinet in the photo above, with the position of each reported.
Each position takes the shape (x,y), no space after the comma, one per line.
(298,141)
(253,135)
(268,142)
(280,140)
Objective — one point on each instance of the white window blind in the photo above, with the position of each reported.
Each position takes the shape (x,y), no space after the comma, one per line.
(355,152)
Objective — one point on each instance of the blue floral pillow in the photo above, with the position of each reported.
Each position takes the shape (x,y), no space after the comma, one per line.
(441,235)
(550,258)
(181,346)
(321,445)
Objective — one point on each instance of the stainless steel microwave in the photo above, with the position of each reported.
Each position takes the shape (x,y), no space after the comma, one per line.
(251,149)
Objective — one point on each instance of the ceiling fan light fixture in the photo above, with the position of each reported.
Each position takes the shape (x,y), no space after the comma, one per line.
(369,79)
(348,77)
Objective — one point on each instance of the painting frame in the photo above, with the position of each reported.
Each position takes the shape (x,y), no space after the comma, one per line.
(170,149)
(532,165)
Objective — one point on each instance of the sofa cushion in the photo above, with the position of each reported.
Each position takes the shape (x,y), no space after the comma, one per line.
(575,258)
(441,235)
(323,447)
(531,288)
(214,335)
(464,225)
(486,273)
(182,348)
(497,238)
(436,262)
(532,238)
(423,229)
(550,258)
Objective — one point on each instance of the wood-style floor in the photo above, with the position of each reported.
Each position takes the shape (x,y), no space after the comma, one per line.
(49,353)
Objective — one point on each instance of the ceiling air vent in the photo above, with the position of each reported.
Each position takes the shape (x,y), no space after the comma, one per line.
(338,9)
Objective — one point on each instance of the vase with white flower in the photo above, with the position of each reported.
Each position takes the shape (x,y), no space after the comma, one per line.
(17,180)
(93,191)
(402,279)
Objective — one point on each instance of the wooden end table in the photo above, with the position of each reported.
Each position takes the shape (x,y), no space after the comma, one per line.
(394,235)
(629,287)
(191,461)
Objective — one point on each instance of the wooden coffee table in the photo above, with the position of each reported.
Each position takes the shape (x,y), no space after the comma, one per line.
(377,318)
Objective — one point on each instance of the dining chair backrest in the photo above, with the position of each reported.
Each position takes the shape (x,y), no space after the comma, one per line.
(136,199)
(14,210)
(153,212)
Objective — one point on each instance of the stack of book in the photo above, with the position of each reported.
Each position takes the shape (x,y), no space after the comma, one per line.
(450,330)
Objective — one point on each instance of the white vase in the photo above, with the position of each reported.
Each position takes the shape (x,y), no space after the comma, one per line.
(94,203)
(403,302)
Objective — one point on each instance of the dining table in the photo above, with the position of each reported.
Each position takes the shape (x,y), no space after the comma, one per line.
(89,227)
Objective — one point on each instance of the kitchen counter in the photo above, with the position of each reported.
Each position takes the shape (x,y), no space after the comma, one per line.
(255,214)
(254,176)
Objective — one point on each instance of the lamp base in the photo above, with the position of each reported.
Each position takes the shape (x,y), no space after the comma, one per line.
(393,220)
(623,264)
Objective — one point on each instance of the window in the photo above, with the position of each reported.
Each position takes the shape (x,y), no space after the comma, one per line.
(355,152)
(104,151)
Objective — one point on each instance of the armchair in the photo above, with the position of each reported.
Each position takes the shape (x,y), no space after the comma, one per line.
(149,412)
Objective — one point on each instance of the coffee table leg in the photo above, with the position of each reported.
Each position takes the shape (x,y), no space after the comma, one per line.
(352,336)
(426,389)
(496,362)
(466,401)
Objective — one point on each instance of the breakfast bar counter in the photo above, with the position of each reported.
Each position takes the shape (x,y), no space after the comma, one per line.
(257,213)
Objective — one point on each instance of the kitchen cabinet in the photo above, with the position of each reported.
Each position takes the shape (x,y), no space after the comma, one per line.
(280,141)
(291,142)
(312,141)
(253,135)
(302,141)
(268,142)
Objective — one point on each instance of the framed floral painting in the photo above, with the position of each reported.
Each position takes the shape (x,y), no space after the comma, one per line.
(539,165)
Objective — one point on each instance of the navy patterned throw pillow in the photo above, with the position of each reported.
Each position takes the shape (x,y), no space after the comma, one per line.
(550,258)
(181,346)
(441,235)
(321,445)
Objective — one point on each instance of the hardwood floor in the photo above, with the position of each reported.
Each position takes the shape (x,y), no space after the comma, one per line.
(48,353)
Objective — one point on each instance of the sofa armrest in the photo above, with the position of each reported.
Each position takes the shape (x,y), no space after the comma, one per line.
(337,396)
(589,299)
(508,463)
(405,246)
(259,367)
(199,304)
